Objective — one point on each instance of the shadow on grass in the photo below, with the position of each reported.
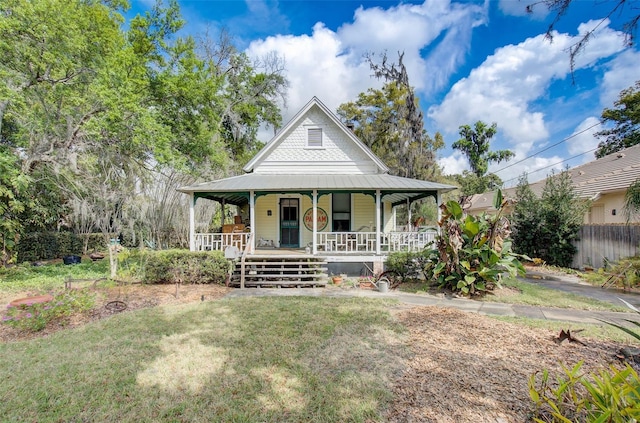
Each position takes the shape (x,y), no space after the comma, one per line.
(255,359)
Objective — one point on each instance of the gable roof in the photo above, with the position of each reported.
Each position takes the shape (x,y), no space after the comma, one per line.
(612,173)
(296,120)
(615,172)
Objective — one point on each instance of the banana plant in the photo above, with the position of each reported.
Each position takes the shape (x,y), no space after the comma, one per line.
(473,252)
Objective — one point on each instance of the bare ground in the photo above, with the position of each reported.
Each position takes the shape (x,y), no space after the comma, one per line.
(462,367)
(134,296)
(466,367)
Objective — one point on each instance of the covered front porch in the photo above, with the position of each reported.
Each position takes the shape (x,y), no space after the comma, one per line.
(326,243)
(334,216)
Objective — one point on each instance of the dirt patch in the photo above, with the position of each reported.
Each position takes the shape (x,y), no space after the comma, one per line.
(108,300)
(470,368)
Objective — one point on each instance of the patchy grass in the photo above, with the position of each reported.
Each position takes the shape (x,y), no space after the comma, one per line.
(256,359)
(50,276)
(532,294)
(516,291)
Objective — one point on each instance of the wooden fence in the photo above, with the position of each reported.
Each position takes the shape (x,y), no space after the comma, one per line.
(599,244)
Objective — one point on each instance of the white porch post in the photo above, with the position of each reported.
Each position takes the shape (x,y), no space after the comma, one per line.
(252,219)
(394,213)
(378,221)
(192,223)
(315,221)
(408,215)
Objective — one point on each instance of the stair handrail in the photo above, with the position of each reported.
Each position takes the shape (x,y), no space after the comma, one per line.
(245,252)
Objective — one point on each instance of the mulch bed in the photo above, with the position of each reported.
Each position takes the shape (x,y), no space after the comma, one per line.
(466,367)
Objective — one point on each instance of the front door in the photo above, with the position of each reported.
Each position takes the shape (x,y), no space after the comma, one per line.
(289,223)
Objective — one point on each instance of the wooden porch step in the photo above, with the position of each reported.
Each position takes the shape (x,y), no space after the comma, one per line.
(285,269)
(287,276)
(278,284)
(249,262)
(278,271)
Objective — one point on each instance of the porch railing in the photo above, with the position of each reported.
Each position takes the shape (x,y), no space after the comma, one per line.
(219,241)
(365,242)
(329,242)
(346,242)
(407,241)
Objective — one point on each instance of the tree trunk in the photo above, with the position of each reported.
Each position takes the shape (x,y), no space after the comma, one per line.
(113,261)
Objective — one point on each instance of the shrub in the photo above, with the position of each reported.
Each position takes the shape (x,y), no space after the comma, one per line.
(547,227)
(36,246)
(612,395)
(472,251)
(36,317)
(405,264)
(182,266)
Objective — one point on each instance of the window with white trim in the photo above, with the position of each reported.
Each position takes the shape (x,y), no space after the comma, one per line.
(314,137)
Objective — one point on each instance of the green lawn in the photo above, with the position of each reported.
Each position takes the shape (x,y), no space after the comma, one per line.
(51,276)
(525,293)
(533,294)
(242,360)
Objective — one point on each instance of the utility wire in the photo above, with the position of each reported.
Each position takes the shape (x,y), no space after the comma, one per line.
(550,147)
(554,164)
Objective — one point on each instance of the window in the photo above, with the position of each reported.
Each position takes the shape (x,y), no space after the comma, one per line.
(341,212)
(314,137)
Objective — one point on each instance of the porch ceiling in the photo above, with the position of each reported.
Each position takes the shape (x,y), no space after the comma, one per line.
(235,190)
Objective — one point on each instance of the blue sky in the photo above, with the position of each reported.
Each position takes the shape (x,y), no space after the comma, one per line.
(469,61)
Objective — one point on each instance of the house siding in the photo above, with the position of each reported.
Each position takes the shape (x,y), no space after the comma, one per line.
(608,203)
(338,154)
(387,218)
(267,226)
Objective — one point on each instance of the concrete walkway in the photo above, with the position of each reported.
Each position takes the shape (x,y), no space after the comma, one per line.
(567,284)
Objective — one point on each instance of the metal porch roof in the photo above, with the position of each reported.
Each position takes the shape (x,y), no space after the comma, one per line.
(235,190)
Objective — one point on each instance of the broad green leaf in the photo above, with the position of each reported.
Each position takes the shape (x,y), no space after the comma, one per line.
(471,226)
(497,203)
(454,208)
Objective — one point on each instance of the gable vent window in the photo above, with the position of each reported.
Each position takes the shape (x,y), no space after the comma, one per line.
(314,137)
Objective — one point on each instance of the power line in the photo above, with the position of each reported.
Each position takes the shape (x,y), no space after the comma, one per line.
(554,164)
(550,147)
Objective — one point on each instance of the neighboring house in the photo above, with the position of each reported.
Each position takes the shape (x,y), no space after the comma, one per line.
(603,181)
(315,190)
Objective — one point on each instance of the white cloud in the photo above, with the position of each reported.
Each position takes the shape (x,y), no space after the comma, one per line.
(330,64)
(454,164)
(410,28)
(505,86)
(519,8)
(316,66)
(583,140)
(535,168)
(622,73)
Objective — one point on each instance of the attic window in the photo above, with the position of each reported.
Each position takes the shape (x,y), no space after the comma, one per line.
(314,137)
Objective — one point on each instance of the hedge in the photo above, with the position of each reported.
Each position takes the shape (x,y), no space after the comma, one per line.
(36,246)
(183,266)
